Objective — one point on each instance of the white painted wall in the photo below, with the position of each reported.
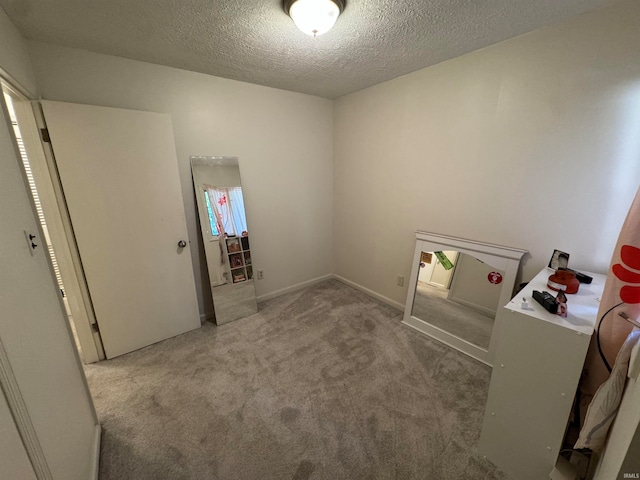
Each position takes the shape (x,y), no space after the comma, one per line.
(534,142)
(14,56)
(471,285)
(283,141)
(219,175)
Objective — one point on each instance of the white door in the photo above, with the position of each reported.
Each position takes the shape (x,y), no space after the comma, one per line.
(119,173)
(440,276)
(13,456)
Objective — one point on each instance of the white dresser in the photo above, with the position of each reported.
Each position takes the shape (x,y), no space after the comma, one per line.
(537,367)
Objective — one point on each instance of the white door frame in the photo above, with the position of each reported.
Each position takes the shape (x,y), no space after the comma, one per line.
(58,225)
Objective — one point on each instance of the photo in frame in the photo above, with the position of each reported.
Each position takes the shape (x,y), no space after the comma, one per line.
(559,259)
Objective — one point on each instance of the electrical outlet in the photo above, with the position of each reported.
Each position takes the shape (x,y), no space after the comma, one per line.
(400,280)
(260,274)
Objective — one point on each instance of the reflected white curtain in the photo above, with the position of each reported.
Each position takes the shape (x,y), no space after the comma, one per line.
(228,207)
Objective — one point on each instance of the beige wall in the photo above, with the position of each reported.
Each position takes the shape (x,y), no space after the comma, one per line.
(472,287)
(532,143)
(283,141)
(219,175)
(14,57)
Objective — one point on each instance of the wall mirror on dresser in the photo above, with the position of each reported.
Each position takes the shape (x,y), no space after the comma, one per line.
(457,290)
(225,235)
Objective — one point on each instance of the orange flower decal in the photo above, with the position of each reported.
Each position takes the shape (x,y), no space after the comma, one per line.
(630,256)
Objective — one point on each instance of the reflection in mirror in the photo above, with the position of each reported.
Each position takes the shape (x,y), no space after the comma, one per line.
(225,235)
(458,293)
(457,290)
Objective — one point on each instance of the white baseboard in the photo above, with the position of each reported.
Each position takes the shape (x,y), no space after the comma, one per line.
(95,461)
(293,288)
(299,286)
(371,293)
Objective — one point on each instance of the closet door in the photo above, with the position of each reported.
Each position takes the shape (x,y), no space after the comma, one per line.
(120,177)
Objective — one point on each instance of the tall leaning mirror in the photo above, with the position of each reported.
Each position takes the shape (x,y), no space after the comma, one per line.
(458,288)
(225,235)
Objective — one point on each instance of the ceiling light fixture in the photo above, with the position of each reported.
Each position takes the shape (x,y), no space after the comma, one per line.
(314,17)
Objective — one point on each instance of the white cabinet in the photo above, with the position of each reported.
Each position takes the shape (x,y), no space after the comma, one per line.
(538,363)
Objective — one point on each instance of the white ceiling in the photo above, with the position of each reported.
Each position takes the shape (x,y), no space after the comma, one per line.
(255,41)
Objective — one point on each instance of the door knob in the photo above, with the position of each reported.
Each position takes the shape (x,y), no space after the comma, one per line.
(182,244)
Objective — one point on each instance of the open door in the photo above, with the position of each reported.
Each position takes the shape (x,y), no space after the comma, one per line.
(119,173)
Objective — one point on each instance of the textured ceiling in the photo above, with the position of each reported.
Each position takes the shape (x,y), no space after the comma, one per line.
(255,41)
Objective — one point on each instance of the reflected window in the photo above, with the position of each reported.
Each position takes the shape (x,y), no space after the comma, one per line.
(215,231)
(227,205)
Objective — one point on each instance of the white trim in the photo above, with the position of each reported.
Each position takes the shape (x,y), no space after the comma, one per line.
(95,461)
(293,288)
(371,293)
(15,85)
(24,425)
(329,276)
(472,245)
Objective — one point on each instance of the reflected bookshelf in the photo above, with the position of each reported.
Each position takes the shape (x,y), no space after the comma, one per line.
(239,256)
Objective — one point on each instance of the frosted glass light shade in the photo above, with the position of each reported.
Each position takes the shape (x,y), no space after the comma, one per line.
(314,17)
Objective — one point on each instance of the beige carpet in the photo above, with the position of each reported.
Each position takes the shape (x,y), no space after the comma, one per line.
(324,383)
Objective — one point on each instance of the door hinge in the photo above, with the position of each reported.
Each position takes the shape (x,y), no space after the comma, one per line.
(44,133)
(95,328)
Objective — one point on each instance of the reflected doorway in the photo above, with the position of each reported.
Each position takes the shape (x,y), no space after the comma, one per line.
(447,295)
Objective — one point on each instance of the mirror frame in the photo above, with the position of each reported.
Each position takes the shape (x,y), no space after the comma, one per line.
(503,258)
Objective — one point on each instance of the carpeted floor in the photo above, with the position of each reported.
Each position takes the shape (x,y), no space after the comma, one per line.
(324,383)
(432,305)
